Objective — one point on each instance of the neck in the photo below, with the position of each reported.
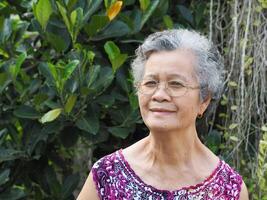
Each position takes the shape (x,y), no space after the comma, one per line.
(177,148)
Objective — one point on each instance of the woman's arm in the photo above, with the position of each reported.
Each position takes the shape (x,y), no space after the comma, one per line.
(89,191)
(244,192)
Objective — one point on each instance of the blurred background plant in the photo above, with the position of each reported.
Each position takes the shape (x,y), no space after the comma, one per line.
(66,88)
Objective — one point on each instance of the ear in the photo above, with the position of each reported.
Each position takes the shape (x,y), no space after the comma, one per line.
(204,105)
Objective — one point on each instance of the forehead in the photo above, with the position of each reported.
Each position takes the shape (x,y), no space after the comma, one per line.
(168,75)
(171,64)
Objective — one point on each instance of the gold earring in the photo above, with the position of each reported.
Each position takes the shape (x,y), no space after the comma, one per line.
(199,116)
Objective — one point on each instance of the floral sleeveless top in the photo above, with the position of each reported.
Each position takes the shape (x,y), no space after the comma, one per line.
(115,180)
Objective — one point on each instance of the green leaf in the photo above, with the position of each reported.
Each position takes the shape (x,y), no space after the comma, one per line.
(56,78)
(213,140)
(129,20)
(51,115)
(28,80)
(105,100)
(149,12)
(97,23)
(234,107)
(52,127)
(15,69)
(52,182)
(120,132)
(123,82)
(10,154)
(26,112)
(76,19)
(115,57)
(70,103)
(234,138)
(42,11)
(200,13)
(46,72)
(13,194)
(128,2)
(249,61)
(136,16)
(118,62)
(4,81)
(168,21)
(105,78)
(125,117)
(186,13)
(3,132)
(69,68)
(232,84)
(63,13)
(53,71)
(111,49)
(4,176)
(57,41)
(163,8)
(144,4)
(89,123)
(35,137)
(5,29)
(264,128)
(108,3)
(82,123)
(3,52)
(133,100)
(72,85)
(114,29)
(20,59)
(90,56)
(21,32)
(71,4)
(93,6)
(73,17)
(69,185)
(39,98)
(233,126)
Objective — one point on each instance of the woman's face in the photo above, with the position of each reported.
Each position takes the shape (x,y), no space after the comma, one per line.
(160,110)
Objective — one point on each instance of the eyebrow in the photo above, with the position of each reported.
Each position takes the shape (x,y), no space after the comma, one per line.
(169,76)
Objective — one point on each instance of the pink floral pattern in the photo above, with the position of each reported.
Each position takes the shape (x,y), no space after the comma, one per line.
(115,180)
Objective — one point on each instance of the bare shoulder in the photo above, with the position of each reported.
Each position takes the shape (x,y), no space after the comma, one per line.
(244,192)
(88,191)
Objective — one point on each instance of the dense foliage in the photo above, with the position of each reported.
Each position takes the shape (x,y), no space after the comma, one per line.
(66,88)
(240,28)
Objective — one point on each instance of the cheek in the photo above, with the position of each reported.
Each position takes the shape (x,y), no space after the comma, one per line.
(189,106)
(143,104)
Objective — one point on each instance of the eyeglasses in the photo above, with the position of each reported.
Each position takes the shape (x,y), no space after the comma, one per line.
(174,88)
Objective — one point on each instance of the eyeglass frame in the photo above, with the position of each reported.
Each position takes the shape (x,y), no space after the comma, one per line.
(138,84)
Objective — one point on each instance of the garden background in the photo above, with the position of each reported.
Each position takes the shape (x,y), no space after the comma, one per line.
(66,94)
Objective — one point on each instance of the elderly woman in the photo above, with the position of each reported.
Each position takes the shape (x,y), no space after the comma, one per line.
(177,74)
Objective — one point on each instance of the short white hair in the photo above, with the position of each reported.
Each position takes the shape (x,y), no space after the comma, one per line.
(209,67)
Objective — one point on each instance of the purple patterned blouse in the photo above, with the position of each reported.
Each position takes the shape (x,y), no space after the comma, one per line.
(115,180)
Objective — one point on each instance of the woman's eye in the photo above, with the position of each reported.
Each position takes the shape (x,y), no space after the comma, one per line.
(150,83)
(175,84)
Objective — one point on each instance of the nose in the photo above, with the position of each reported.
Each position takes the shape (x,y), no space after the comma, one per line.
(161,94)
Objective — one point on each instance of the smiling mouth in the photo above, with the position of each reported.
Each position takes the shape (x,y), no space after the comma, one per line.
(161,111)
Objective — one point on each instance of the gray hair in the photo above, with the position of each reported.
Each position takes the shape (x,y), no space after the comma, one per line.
(209,67)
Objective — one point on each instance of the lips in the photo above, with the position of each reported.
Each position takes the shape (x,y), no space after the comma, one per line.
(161,110)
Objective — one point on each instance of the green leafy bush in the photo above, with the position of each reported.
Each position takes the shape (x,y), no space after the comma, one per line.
(65,80)
(66,86)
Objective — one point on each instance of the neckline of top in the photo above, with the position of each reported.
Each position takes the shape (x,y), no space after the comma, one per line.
(188,188)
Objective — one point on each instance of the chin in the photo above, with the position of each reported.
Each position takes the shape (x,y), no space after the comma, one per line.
(161,126)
